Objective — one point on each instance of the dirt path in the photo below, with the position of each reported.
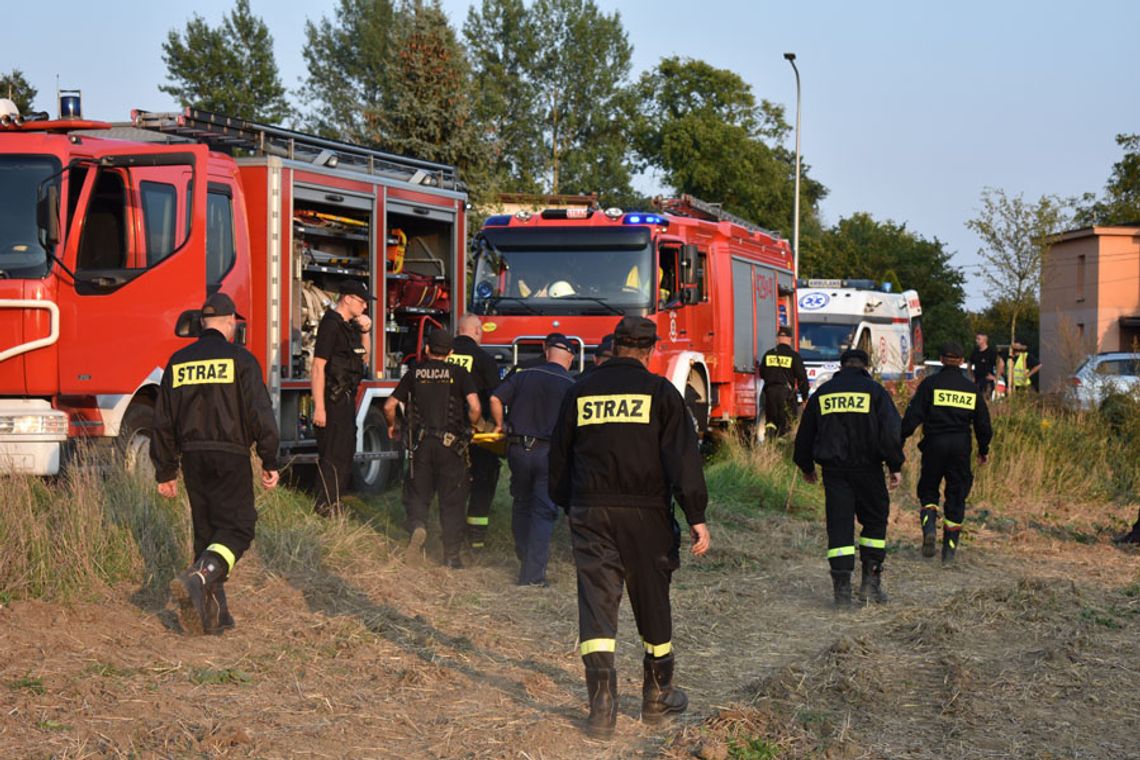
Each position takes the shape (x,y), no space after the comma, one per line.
(1026,649)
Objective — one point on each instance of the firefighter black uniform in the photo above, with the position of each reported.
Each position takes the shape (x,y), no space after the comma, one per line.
(485,464)
(783,373)
(340,343)
(947,405)
(625,445)
(212,406)
(437,434)
(851,427)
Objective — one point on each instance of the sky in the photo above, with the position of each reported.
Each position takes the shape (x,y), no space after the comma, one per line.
(909,109)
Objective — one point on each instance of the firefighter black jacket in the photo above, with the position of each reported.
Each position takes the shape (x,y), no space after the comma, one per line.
(850,423)
(625,439)
(212,398)
(782,366)
(948,403)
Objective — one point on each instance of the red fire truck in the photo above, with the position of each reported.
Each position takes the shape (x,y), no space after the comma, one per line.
(111,238)
(717,286)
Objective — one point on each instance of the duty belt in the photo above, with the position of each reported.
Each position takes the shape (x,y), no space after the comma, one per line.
(528,442)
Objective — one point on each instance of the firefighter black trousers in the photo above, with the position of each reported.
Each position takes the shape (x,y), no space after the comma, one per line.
(613,546)
(484,479)
(852,494)
(220,487)
(778,402)
(438,469)
(946,457)
(336,446)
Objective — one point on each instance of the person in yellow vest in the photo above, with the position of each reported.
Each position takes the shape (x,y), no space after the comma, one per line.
(1024,367)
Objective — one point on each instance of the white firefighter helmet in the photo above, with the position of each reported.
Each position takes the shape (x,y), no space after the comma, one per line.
(560,289)
(9,114)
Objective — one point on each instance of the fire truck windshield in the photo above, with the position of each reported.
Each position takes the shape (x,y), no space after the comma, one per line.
(21,254)
(824,342)
(564,281)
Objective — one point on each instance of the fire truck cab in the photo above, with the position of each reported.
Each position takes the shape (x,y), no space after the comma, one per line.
(716,285)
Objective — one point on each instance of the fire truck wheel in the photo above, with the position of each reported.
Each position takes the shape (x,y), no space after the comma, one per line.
(374,475)
(134,439)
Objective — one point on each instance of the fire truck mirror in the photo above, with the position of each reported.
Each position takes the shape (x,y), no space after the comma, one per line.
(47,214)
(690,295)
(240,333)
(688,265)
(189,324)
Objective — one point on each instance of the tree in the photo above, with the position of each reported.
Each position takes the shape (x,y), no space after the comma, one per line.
(1121,202)
(1016,237)
(703,130)
(502,46)
(17,89)
(229,69)
(859,246)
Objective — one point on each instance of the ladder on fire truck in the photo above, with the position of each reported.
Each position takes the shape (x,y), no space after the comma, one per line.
(226,133)
(691,206)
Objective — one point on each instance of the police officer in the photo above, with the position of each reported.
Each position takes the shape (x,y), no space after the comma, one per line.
(851,427)
(212,406)
(624,445)
(339,359)
(947,404)
(438,432)
(484,464)
(532,398)
(783,373)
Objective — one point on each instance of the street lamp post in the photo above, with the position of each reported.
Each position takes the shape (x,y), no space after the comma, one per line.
(791,58)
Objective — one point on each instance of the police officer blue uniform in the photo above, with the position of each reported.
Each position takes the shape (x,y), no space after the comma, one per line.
(623,448)
(532,398)
(851,427)
(947,405)
(212,406)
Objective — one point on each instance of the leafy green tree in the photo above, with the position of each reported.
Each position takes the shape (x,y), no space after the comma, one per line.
(17,89)
(860,246)
(1016,236)
(703,130)
(349,61)
(1121,201)
(501,43)
(229,69)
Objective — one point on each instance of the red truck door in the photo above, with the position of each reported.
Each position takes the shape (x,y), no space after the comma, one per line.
(136,243)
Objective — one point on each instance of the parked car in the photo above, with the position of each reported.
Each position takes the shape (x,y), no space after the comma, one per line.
(1102,375)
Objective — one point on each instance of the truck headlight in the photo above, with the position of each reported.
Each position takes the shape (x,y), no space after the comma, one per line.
(54,423)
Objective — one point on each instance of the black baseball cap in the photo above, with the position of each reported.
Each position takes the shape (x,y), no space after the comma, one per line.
(220,305)
(855,353)
(606,346)
(439,342)
(951,349)
(637,332)
(784,331)
(356,288)
(558,340)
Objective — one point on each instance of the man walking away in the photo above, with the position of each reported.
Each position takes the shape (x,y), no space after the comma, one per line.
(783,373)
(947,405)
(851,428)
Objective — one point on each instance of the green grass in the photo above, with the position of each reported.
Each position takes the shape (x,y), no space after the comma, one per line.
(752,748)
(208,676)
(33,684)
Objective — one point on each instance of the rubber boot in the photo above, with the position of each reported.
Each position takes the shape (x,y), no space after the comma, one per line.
(929,520)
(601,686)
(660,699)
(871,582)
(841,583)
(224,618)
(193,589)
(415,551)
(950,540)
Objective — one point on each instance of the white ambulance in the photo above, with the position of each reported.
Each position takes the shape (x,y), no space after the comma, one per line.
(835,315)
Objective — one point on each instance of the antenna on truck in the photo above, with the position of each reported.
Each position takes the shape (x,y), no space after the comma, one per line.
(225,133)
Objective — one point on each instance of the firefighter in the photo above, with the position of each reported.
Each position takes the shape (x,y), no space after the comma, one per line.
(783,373)
(212,406)
(623,446)
(532,398)
(602,354)
(947,404)
(339,361)
(851,427)
(438,434)
(484,464)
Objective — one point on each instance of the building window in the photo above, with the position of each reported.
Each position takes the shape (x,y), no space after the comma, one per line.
(1081,261)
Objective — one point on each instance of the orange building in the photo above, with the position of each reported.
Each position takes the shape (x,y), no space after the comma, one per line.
(1090,298)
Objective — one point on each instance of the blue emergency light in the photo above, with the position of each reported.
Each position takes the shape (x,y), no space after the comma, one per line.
(650,219)
(499,220)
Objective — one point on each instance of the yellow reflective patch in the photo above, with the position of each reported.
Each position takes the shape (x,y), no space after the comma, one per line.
(858,403)
(775,360)
(463,360)
(619,407)
(658,650)
(597,645)
(224,552)
(958,399)
(203,372)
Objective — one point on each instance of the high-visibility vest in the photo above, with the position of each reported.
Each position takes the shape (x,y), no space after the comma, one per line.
(1020,371)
